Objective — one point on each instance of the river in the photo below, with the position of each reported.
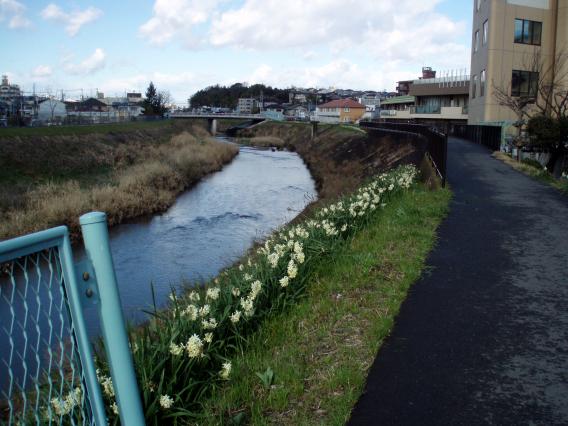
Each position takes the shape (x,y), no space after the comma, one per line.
(207,229)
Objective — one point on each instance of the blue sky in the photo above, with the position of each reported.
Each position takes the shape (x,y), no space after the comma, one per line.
(184,45)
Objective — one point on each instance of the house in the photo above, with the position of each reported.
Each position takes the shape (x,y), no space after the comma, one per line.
(274,111)
(296,112)
(507,36)
(51,110)
(297,97)
(371,100)
(340,111)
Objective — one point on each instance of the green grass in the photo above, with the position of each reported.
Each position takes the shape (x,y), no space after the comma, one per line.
(321,349)
(538,173)
(82,130)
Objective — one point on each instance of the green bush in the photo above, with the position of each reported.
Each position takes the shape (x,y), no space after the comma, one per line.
(533,163)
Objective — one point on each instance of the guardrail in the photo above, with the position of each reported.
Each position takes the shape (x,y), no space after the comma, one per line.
(437,143)
(49,374)
(488,136)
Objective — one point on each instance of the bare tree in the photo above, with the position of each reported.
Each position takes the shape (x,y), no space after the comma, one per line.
(543,111)
(165,100)
(51,103)
(548,95)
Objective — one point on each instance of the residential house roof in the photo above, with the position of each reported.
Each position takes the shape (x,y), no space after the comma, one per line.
(342,103)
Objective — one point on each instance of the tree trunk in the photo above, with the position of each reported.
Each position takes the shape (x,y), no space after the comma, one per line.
(555,155)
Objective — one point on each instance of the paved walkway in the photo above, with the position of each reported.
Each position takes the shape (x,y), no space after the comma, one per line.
(483,336)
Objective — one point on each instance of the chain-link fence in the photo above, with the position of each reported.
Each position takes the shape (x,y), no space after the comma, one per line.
(47,367)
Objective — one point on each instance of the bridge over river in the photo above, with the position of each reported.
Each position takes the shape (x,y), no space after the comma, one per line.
(213,117)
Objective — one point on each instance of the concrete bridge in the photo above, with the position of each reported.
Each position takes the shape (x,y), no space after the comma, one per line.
(212,118)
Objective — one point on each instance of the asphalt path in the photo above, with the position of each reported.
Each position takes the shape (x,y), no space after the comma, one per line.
(483,335)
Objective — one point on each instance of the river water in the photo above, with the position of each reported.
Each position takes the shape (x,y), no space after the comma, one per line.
(207,229)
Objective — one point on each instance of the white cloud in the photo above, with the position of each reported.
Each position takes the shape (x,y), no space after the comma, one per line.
(176,19)
(267,24)
(339,73)
(42,71)
(93,63)
(73,21)
(309,55)
(13,12)
(405,33)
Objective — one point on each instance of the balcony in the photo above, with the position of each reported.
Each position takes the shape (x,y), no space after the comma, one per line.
(447,113)
(393,113)
(425,109)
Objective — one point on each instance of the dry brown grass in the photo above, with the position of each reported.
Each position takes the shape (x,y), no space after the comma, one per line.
(340,158)
(139,184)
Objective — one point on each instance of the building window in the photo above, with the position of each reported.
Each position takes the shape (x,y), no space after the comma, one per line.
(524,84)
(476,41)
(478,5)
(527,32)
(346,109)
(482,83)
(485,32)
(473,86)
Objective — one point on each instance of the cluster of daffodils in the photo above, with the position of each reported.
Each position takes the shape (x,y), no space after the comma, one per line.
(64,406)
(204,325)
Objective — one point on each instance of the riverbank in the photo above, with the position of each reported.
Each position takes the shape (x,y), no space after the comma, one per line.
(185,351)
(340,157)
(127,171)
(309,364)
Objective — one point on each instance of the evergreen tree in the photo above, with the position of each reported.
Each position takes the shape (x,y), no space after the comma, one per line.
(152,101)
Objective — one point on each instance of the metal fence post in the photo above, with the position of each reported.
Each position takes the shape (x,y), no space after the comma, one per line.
(95,236)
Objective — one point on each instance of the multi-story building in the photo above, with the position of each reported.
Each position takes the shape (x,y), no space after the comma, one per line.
(517,46)
(9,92)
(246,105)
(340,111)
(437,101)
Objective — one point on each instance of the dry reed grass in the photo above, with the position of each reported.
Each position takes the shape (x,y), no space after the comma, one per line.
(141,184)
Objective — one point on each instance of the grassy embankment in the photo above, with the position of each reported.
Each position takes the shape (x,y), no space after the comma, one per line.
(319,351)
(186,351)
(50,176)
(531,169)
(311,306)
(309,364)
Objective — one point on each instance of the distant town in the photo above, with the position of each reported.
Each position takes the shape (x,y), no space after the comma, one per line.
(428,99)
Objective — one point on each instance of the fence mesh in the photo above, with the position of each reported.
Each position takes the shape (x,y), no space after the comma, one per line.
(41,380)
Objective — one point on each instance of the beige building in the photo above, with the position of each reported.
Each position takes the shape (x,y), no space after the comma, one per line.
(437,101)
(508,35)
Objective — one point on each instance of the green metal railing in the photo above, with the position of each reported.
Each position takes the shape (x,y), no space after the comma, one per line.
(47,367)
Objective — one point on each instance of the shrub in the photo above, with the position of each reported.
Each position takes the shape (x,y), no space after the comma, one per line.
(532,163)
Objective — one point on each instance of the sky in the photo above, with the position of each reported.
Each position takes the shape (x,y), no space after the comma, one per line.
(186,45)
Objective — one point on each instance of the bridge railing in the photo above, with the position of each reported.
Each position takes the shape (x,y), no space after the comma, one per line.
(46,358)
(215,115)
